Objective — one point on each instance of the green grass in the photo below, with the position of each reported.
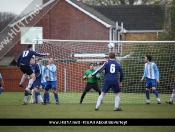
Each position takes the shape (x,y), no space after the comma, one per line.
(10,107)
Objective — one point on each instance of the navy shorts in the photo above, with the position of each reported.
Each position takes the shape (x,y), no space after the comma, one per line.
(26,69)
(150,83)
(37,83)
(51,85)
(114,85)
(44,85)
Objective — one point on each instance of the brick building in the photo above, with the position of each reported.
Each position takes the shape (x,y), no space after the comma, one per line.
(74,20)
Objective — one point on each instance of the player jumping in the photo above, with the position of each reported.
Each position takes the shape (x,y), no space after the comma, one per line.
(23,62)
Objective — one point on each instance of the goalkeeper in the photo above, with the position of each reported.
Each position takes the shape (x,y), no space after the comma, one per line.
(91,82)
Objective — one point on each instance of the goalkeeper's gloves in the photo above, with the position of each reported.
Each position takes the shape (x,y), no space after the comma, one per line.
(84,78)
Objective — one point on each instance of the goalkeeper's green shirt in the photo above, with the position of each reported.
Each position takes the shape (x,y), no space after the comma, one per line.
(93,79)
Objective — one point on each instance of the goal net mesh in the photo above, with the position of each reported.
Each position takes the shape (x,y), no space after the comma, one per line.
(72,59)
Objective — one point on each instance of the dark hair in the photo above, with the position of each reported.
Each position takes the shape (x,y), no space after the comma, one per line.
(39,59)
(91,64)
(112,55)
(149,57)
(32,58)
(29,46)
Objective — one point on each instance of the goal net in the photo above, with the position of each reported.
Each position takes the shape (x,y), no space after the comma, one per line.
(72,58)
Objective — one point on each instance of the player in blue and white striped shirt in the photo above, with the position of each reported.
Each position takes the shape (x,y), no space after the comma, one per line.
(151,72)
(1,84)
(43,81)
(51,79)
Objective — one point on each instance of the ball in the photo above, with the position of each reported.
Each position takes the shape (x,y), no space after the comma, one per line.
(111,45)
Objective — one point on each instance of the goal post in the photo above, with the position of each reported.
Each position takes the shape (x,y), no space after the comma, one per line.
(72,58)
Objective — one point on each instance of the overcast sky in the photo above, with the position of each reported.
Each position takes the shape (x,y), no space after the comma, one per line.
(18,6)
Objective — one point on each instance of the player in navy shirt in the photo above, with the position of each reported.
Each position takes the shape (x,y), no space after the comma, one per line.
(23,62)
(111,67)
(36,84)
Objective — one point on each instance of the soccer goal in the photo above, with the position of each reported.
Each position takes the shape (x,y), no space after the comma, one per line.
(72,58)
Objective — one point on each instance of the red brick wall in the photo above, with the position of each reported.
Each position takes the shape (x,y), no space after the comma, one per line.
(11,77)
(67,22)
(75,72)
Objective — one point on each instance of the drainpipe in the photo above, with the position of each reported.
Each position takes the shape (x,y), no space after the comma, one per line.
(119,33)
(116,32)
(157,35)
(110,33)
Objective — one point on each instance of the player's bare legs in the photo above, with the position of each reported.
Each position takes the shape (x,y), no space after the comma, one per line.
(172,97)
(117,102)
(22,80)
(100,98)
(32,79)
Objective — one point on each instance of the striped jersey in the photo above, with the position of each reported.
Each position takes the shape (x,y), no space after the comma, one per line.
(51,73)
(43,73)
(151,71)
(111,67)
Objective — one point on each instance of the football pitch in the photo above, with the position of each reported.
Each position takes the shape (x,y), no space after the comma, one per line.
(10,107)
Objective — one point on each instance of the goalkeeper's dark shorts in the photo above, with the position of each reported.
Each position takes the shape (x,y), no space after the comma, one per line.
(92,85)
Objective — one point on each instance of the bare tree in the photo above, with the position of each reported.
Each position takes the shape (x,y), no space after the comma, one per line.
(5,19)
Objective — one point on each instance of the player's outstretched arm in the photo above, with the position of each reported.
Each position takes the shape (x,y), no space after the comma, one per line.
(85,75)
(40,54)
(100,69)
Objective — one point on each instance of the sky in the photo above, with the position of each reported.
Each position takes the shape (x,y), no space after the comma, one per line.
(18,6)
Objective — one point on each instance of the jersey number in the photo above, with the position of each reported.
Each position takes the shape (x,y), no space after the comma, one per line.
(112,68)
(25,53)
